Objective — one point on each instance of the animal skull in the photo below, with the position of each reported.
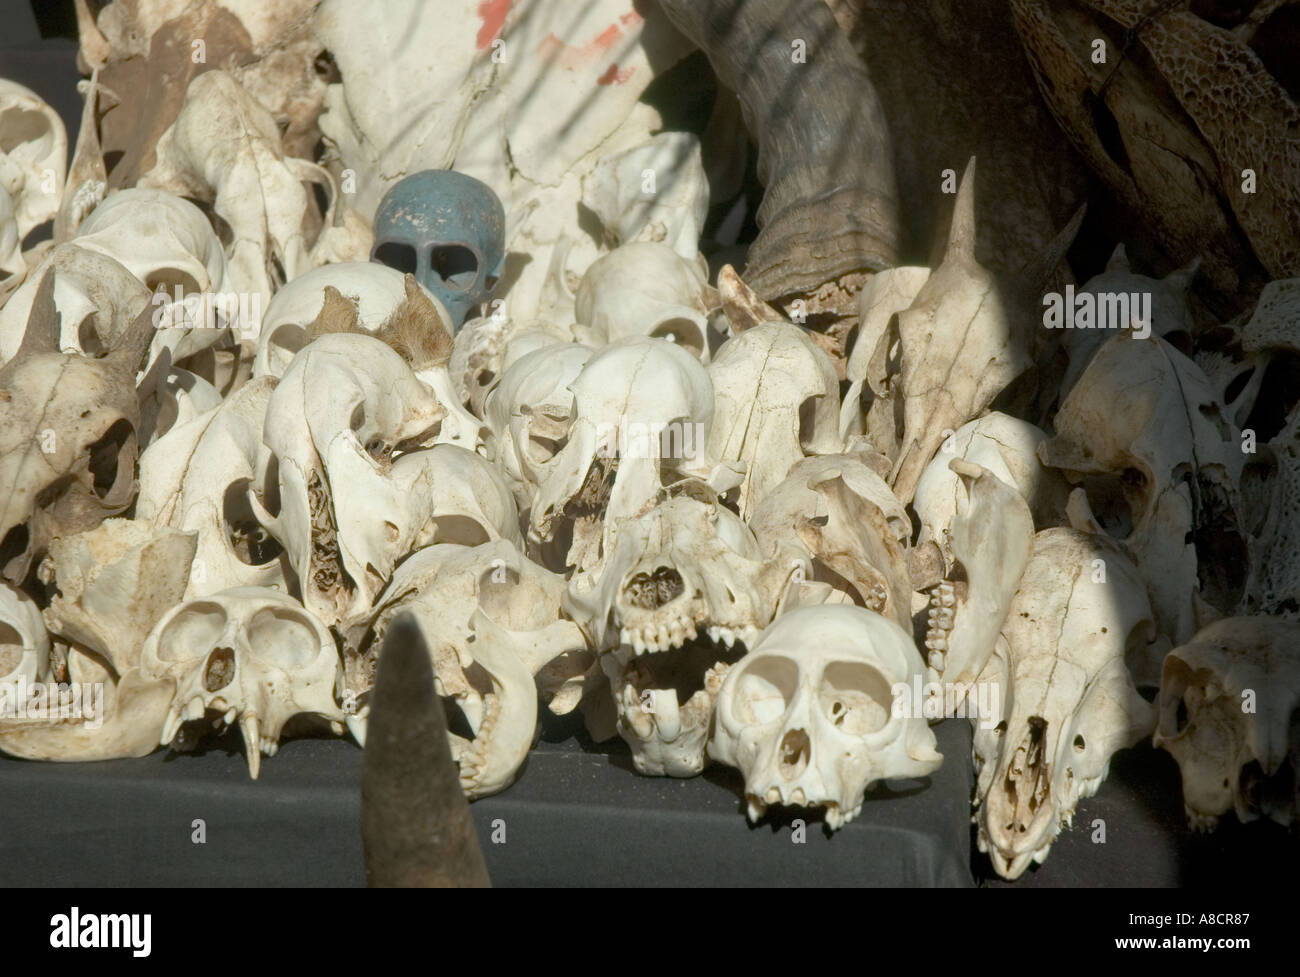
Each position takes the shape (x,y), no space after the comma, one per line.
(777,400)
(646,289)
(324,485)
(1067,701)
(1228,707)
(24,643)
(491,620)
(33,155)
(807,716)
(676,602)
(249,656)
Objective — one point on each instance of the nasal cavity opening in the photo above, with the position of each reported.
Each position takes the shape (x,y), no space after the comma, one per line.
(796,748)
(221,669)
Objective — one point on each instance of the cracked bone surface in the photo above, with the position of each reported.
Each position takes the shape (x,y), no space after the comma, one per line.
(836,517)
(247,657)
(324,484)
(491,621)
(1066,702)
(809,718)
(776,401)
(679,596)
(1228,704)
(1159,466)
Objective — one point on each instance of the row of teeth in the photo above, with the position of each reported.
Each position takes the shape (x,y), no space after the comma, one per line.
(674,634)
(254,745)
(836,817)
(943,605)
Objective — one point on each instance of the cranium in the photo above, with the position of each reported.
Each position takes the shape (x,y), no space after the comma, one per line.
(646,289)
(670,205)
(1160,466)
(678,599)
(836,521)
(367,298)
(487,346)
(323,486)
(448,230)
(33,155)
(96,298)
(196,478)
(1002,445)
(491,621)
(249,656)
(1229,705)
(989,541)
(640,414)
(807,715)
(1067,701)
(960,347)
(68,447)
(224,148)
(777,400)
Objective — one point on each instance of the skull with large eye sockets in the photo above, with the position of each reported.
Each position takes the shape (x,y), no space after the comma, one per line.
(249,656)
(448,230)
(807,716)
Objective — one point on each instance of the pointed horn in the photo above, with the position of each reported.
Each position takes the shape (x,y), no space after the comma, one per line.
(415,823)
(1183,277)
(131,348)
(741,304)
(1039,271)
(961,232)
(1118,259)
(42,333)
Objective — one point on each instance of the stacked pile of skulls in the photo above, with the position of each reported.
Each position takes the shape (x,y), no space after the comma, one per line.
(617,488)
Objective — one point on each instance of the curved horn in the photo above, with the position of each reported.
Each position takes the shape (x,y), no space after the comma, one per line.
(824,153)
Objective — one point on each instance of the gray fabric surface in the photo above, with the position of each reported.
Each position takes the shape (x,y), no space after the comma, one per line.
(574,818)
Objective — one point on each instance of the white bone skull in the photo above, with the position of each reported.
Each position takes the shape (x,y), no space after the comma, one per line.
(252,657)
(1067,703)
(196,478)
(33,155)
(646,289)
(491,621)
(776,401)
(1228,707)
(324,486)
(657,191)
(1160,466)
(679,597)
(808,718)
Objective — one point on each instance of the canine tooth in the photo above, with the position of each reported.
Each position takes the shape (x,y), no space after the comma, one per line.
(755,808)
(252,744)
(357,727)
(171,726)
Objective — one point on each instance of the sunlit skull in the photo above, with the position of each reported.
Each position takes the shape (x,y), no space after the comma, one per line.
(447,229)
(808,715)
(24,643)
(678,599)
(646,289)
(247,656)
(33,155)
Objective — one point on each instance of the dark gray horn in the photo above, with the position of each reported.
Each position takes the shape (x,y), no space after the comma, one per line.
(824,154)
(416,828)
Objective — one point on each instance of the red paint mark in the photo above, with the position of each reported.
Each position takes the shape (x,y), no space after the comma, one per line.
(579,55)
(615,77)
(493,14)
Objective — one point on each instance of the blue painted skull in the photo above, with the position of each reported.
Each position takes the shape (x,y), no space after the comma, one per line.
(448,230)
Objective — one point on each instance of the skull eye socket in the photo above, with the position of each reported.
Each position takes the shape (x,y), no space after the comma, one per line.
(11,648)
(855,698)
(281,637)
(455,264)
(683,332)
(107,456)
(398,256)
(193,632)
(765,690)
